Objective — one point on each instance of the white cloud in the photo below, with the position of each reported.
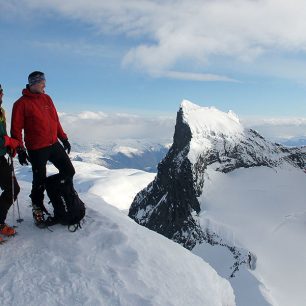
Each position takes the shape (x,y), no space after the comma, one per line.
(193,76)
(99,127)
(277,129)
(190,33)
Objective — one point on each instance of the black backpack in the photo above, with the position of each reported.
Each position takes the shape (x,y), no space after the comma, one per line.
(68,207)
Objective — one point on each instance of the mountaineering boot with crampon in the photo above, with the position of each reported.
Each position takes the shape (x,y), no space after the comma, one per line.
(38,217)
(7,230)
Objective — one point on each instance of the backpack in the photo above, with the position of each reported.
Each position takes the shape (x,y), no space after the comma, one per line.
(69,209)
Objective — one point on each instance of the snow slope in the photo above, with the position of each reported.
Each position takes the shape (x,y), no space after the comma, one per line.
(208,123)
(262,210)
(111,261)
(116,187)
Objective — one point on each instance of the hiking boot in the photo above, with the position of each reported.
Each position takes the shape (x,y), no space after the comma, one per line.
(7,230)
(38,217)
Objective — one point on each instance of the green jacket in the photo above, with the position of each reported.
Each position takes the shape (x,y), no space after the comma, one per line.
(3,132)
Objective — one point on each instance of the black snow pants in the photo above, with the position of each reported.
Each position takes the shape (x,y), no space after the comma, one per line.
(39,158)
(6,184)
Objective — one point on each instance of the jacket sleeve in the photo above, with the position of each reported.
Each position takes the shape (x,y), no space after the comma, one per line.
(2,141)
(2,128)
(60,132)
(17,122)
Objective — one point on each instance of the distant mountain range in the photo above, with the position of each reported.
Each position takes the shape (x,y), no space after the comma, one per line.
(133,154)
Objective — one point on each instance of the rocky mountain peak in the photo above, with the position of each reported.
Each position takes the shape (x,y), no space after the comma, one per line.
(204,136)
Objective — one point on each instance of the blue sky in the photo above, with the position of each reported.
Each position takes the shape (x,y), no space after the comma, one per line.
(145,57)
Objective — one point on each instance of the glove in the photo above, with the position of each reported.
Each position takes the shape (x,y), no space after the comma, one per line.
(11,142)
(66,145)
(23,157)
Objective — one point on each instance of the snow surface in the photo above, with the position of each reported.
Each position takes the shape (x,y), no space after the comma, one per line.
(111,261)
(116,187)
(209,120)
(207,123)
(262,210)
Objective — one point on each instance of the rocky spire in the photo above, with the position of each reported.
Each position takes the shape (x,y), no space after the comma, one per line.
(203,137)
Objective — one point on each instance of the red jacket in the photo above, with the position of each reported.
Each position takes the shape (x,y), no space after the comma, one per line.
(37,116)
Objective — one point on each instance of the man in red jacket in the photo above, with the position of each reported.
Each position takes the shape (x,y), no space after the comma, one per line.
(35,114)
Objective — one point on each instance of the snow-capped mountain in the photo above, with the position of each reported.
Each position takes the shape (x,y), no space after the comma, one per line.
(226,185)
(203,137)
(132,154)
(110,261)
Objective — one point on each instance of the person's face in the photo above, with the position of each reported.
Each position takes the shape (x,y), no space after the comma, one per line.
(38,87)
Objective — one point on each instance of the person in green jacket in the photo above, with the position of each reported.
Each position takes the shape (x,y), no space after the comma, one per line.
(7,145)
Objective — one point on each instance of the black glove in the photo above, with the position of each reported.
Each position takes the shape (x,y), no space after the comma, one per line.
(23,157)
(66,145)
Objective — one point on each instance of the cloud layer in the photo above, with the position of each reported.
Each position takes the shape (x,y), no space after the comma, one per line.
(179,39)
(278,129)
(99,127)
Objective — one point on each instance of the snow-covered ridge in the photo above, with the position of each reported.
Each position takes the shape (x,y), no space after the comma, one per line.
(205,121)
(110,261)
(211,130)
(220,138)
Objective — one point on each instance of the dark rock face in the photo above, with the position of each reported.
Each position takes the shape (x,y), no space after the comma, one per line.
(169,204)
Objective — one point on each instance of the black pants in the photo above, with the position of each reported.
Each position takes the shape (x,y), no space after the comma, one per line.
(6,197)
(39,158)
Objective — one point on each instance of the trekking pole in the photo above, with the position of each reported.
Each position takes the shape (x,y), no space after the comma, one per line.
(13,192)
(19,220)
